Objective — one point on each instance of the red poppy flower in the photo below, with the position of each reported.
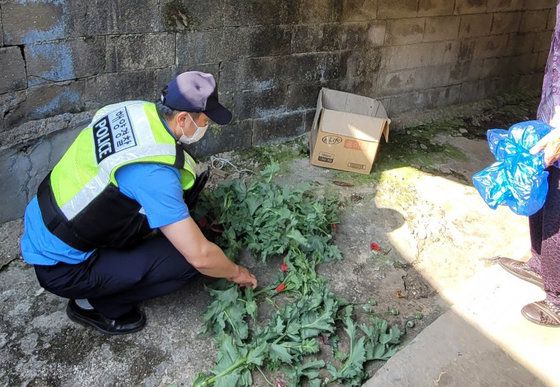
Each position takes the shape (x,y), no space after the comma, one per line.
(284,267)
(374,246)
(202,222)
(334,227)
(280,287)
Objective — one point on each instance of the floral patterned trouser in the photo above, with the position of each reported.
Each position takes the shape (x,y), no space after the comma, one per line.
(544,227)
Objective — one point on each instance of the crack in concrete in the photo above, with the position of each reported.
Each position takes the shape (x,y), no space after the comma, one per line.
(436,382)
(2,22)
(22,50)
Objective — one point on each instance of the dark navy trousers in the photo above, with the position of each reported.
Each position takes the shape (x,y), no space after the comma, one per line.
(115,280)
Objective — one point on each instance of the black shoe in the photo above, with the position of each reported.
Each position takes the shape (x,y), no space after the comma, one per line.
(131,322)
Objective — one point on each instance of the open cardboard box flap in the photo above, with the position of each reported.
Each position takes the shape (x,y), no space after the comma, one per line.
(354,125)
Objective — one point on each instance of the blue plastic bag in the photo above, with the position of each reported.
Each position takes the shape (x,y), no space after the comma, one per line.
(517,179)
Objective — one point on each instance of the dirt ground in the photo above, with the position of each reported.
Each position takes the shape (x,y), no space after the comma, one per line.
(414,205)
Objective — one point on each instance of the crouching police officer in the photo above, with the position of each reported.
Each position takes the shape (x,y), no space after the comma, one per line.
(123,176)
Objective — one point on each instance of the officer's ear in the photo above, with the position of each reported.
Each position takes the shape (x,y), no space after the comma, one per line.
(182,118)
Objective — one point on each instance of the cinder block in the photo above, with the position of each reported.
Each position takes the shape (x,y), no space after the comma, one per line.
(110,88)
(503,23)
(366,86)
(172,15)
(359,10)
(494,86)
(441,28)
(362,64)
(269,40)
(257,12)
(539,4)
(251,73)
(542,41)
(437,97)
(401,103)
(534,21)
(306,38)
(475,25)
(435,7)
(462,71)
(419,55)
(396,9)
(531,81)
(278,127)
(504,5)
(491,46)
(65,60)
(521,43)
(356,36)
(542,61)
(404,31)
(302,96)
(331,38)
(317,11)
(31,22)
(465,51)
(201,47)
(14,168)
(471,91)
(525,64)
(551,19)
(12,76)
(493,67)
(415,79)
(234,136)
(98,17)
(140,51)
(463,7)
(309,115)
(43,101)
(90,18)
(309,67)
(9,103)
(376,33)
(251,104)
(144,16)
(310,38)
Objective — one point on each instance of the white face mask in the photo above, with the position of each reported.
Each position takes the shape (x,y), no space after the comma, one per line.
(197,135)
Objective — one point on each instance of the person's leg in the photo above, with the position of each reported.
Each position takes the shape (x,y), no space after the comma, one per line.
(535,232)
(150,270)
(531,270)
(550,249)
(547,311)
(115,280)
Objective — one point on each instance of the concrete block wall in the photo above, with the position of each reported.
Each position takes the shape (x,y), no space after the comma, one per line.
(61,59)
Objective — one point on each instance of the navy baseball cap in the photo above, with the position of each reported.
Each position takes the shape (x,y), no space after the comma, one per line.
(196,92)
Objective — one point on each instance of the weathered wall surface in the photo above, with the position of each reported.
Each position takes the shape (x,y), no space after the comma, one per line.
(61,59)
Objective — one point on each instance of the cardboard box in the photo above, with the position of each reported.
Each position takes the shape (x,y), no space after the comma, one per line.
(346,131)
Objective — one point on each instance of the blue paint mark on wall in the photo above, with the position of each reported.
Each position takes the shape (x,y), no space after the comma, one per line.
(56,32)
(58,59)
(263,84)
(56,105)
(55,2)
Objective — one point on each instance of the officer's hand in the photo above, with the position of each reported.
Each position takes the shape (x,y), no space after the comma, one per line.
(244,278)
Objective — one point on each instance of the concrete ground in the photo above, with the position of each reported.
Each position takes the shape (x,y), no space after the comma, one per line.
(482,340)
(437,237)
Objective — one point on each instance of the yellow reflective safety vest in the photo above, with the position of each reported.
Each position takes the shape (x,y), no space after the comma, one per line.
(80,200)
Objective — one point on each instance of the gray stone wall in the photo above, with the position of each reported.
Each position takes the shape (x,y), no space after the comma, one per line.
(60,59)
